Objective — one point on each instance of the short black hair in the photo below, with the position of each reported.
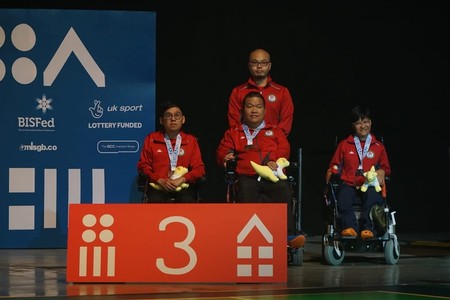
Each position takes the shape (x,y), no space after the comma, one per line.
(254,94)
(359,112)
(167,105)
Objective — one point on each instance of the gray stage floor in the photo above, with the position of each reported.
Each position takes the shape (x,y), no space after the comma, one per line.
(424,263)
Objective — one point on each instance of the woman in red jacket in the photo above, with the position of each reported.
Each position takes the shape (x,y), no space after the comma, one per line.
(165,150)
(354,156)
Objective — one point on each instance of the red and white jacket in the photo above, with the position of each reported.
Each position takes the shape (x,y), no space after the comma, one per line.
(155,163)
(279,104)
(347,160)
(269,144)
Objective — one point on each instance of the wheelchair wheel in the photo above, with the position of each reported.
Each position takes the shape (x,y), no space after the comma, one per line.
(391,251)
(296,256)
(333,251)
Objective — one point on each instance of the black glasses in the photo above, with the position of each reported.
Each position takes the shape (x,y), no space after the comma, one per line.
(255,63)
(169,116)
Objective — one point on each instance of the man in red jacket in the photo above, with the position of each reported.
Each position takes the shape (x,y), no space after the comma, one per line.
(263,143)
(279,104)
(165,150)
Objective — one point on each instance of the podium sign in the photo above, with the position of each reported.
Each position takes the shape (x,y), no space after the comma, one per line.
(177,243)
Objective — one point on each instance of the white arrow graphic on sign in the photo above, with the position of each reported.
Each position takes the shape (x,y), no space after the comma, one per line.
(72,43)
(264,269)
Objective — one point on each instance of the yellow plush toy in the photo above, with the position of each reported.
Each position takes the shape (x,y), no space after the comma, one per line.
(179,171)
(371,180)
(267,173)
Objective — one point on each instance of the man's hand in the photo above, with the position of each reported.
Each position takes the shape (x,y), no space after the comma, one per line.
(166,184)
(229,156)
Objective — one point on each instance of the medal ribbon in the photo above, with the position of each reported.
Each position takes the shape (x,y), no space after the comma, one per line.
(249,136)
(173,152)
(362,152)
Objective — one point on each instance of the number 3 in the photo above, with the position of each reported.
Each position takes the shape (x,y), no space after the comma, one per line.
(184,245)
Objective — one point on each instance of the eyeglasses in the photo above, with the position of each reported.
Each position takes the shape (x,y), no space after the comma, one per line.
(169,116)
(255,63)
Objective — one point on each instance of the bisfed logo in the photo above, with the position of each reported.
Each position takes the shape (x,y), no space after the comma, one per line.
(38,123)
(35,124)
(37,147)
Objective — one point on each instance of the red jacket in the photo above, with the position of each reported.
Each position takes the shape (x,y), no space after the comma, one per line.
(347,159)
(279,104)
(270,144)
(154,161)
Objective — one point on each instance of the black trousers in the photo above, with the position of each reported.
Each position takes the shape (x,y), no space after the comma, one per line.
(183,196)
(252,190)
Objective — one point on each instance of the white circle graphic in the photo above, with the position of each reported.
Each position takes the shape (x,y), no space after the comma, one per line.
(106,220)
(89,220)
(23,37)
(24,70)
(106,236)
(2,70)
(2,36)
(88,236)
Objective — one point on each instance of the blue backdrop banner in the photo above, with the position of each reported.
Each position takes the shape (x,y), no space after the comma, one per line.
(77,89)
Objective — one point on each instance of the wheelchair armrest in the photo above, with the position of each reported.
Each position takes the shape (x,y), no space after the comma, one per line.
(201,180)
(387,179)
(142,180)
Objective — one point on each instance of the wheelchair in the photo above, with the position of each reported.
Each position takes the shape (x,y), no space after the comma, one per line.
(294,255)
(143,187)
(334,245)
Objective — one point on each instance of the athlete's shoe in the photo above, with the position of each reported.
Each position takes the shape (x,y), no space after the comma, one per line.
(296,241)
(349,232)
(366,234)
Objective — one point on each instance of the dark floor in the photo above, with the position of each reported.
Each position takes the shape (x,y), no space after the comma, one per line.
(423,272)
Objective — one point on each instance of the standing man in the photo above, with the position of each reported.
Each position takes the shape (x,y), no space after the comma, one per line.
(279,107)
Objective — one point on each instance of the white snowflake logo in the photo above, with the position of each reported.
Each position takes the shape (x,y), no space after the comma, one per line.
(44,104)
